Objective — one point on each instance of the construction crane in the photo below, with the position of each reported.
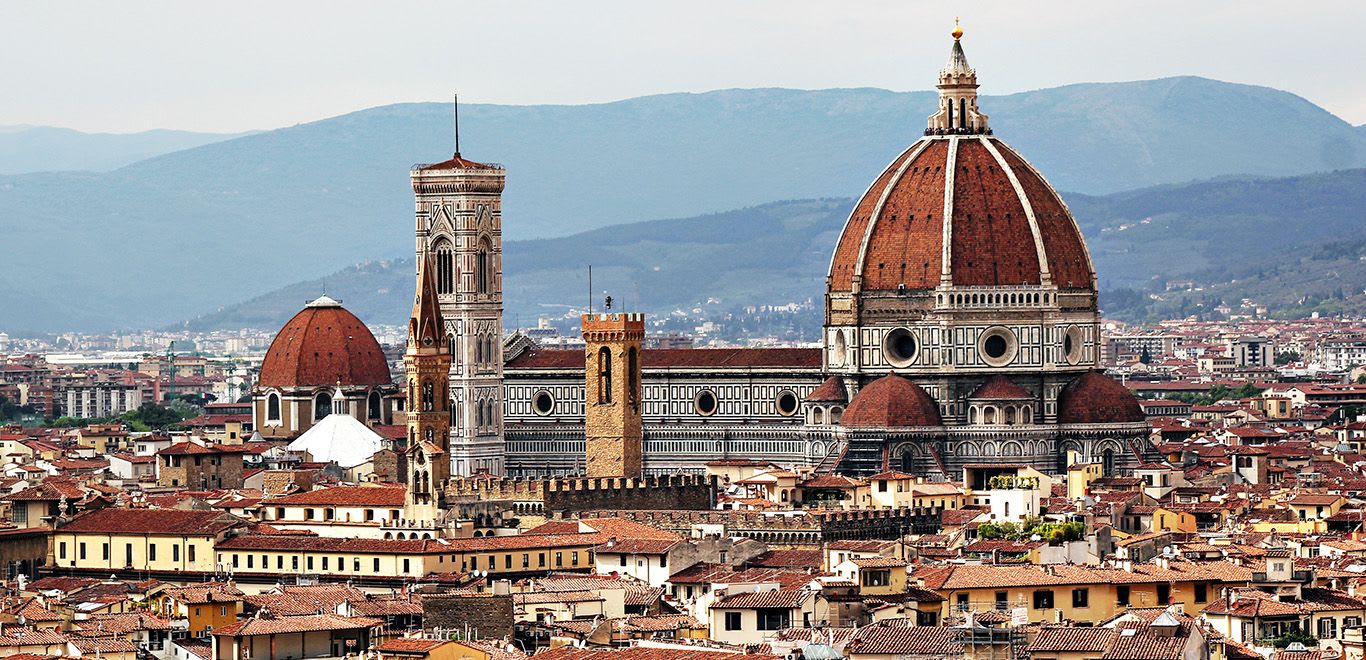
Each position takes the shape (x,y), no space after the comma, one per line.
(170,369)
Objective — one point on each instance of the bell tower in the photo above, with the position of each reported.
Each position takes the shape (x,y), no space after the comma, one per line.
(427,368)
(459,227)
(613,433)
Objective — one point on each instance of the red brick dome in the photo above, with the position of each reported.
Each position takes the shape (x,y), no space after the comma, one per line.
(891,402)
(1094,398)
(1000,388)
(322,345)
(1006,226)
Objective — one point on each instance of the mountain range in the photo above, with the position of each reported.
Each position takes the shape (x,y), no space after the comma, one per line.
(26,149)
(1274,240)
(183,234)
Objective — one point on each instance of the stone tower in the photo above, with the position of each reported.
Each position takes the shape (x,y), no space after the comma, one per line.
(427,365)
(612,424)
(459,227)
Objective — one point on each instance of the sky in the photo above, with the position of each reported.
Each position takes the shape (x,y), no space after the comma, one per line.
(105,66)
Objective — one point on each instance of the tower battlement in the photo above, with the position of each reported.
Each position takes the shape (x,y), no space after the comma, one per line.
(569,495)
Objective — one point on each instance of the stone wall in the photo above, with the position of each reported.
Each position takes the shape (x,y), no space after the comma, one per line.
(488,616)
(563,496)
(23,551)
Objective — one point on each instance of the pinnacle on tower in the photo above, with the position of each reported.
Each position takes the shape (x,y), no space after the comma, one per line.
(958,113)
(426,328)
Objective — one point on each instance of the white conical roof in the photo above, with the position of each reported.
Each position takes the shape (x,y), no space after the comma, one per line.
(1165,619)
(341,439)
(324,301)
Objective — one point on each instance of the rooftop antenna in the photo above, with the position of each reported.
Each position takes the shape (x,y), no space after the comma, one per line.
(456,97)
(590,288)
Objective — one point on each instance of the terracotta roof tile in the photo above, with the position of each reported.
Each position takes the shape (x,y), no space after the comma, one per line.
(905,640)
(295,624)
(777,598)
(375,496)
(695,358)
(152,521)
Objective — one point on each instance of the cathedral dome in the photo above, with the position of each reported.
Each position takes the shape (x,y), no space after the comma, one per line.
(1005,225)
(959,207)
(324,345)
(1094,398)
(891,402)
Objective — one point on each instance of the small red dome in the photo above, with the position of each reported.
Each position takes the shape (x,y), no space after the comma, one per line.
(322,345)
(830,391)
(1094,398)
(1000,388)
(1000,233)
(891,402)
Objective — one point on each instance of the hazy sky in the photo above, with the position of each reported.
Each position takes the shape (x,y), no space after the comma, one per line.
(231,66)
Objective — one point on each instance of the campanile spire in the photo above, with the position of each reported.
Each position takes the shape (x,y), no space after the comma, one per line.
(958,113)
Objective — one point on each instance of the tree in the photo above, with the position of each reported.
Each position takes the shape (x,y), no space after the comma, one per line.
(10,410)
(998,530)
(1286,357)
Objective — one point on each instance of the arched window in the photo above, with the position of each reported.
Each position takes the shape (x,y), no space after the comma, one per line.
(322,406)
(273,407)
(428,397)
(483,268)
(445,266)
(962,113)
(374,406)
(632,377)
(604,375)
(1107,461)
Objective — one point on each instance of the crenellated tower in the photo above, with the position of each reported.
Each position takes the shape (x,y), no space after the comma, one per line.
(459,228)
(427,367)
(613,432)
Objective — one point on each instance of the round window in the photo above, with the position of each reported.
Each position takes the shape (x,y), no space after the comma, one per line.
(995,347)
(1071,345)
(706,403)
(787,404)
(900,347)
(998,346)
(543,403)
